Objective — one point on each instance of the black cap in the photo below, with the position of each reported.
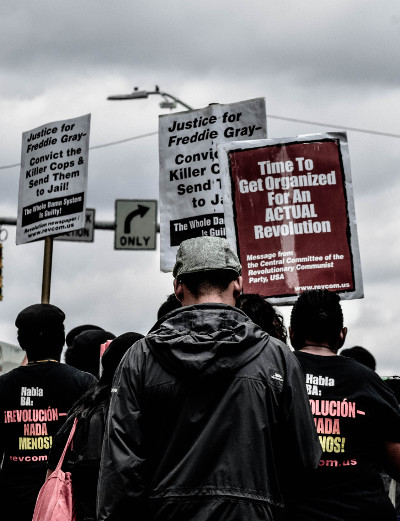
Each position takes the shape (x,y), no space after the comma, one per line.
(40,316)
(79,329)
(91,340)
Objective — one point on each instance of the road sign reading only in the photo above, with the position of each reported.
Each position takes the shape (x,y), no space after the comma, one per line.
(135,224)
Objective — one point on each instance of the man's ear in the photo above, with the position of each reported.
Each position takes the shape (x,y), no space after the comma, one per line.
(237,287)
(342,337)
(178,289)
(292,337)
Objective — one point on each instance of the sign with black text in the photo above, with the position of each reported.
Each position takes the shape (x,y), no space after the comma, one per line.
(53,179)
(191,202)
(135,224)
(289,209)
(85,234)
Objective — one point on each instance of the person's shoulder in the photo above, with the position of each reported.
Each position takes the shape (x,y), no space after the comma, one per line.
(369,381)
(277,349)
(76,374)
(357,368)
(275,343)
(137,349)
(12,376)
(348,368)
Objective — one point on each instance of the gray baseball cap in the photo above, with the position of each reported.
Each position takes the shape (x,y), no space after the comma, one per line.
(205,254)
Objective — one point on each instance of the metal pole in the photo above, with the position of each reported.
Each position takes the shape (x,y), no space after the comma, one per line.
(99,225)
(47,264)
(174,98)
(141,94)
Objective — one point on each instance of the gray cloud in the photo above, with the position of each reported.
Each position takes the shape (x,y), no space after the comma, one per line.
(329,62)
(346,44)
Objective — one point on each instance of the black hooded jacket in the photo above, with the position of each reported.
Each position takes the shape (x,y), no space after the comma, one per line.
(209,419)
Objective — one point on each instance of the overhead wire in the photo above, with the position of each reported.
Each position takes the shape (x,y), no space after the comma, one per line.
(318,123)
(353,129)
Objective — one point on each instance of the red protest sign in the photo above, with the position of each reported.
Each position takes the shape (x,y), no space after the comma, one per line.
(292,216)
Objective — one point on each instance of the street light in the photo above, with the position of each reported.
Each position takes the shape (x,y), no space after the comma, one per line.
(168,103)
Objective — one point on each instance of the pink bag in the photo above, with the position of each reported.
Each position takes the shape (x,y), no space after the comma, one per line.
(55,500)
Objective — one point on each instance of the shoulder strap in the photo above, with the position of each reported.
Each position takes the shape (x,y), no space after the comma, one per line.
(71,434)
(96,435)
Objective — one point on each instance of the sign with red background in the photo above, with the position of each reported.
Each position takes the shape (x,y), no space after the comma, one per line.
(290,217)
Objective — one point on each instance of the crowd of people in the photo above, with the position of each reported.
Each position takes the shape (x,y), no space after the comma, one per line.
(210,416)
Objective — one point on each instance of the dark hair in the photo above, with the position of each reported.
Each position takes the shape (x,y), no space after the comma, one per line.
(316,316)
(100,393)
(114,353)
(204,282)
(169,305)
(360,354)
(42,342)
(84,354)
(263,314)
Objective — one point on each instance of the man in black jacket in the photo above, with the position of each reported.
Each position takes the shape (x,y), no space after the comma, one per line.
(209,418)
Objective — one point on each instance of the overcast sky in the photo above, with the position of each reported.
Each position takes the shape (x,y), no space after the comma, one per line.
(328,62)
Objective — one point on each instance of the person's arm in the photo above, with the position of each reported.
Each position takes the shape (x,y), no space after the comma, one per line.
(303,442)
(391,461)
(121,483)
(386,410)
(59,441)
(1,447)
(300,449)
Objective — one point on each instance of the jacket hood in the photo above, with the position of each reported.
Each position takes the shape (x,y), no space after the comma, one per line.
(204,340)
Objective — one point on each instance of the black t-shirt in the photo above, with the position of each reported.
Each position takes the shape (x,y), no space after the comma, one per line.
(34,402)
(355,412)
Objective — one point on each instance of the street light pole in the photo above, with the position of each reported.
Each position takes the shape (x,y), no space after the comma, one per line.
(141,94)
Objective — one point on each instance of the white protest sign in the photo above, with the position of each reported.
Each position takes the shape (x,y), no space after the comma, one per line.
(190,185)
(53,179)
